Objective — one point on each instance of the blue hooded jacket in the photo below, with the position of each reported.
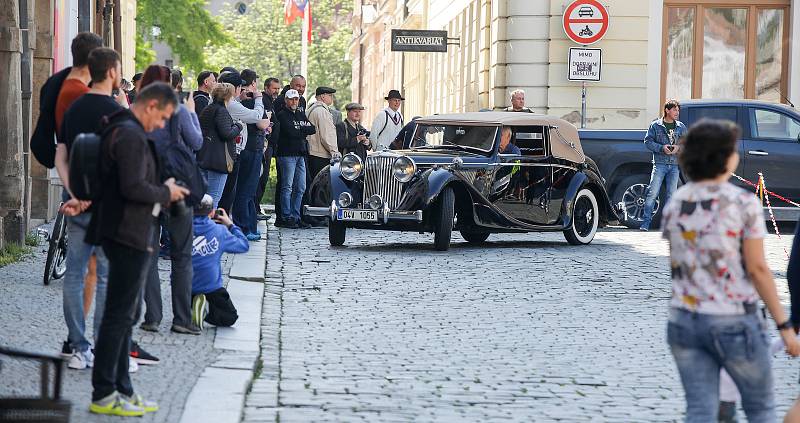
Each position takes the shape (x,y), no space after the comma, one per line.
(211,239)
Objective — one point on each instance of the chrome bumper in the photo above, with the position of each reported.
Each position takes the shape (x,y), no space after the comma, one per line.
(384,215)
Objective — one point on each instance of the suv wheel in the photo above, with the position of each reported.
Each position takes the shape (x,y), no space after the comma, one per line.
(585,218)
(443,227)
(631,193)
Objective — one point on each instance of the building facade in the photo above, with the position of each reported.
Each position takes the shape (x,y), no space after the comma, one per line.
(653,50)
(35,43)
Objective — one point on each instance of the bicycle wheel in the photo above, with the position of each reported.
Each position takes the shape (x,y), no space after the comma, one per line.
(56,248)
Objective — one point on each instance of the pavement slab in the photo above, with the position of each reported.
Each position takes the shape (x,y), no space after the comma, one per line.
(31,318)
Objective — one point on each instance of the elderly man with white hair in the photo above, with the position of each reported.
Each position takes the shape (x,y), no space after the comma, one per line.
(518,102)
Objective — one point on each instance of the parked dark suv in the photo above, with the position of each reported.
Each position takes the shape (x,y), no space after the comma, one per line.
(770,144)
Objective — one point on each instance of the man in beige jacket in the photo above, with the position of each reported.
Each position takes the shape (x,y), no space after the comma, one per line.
(322,145)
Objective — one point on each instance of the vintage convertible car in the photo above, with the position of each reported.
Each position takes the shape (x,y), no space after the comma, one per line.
(450,175)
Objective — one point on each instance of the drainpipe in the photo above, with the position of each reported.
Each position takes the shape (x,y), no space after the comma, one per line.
(84,15)
(118,27)
(26,72)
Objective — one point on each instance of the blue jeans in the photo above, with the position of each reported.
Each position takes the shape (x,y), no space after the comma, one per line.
(702,343)
(660,172)
(78,254)
(216,184)
(293,185)
(244,205)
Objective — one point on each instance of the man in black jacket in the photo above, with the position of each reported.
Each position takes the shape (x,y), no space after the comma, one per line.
(351,137)
(272,87)
(291,131)
(124,222)
(206,81)
(298,83)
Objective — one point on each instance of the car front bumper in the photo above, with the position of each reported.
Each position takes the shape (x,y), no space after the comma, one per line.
(385,215)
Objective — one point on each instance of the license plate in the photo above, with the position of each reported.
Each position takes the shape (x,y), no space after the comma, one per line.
(358,215)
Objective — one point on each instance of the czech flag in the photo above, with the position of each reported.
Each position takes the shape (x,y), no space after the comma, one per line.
(294,9)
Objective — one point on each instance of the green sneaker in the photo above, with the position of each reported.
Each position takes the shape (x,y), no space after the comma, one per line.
(199,310)
(137,400)
(116,405)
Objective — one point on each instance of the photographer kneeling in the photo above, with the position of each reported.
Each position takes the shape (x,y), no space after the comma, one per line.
(214,234)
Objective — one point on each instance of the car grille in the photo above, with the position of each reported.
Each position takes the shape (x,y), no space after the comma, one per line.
(378,179)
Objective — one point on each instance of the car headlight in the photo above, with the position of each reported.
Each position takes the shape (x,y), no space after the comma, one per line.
(404,169)
(345,199)
(351,166)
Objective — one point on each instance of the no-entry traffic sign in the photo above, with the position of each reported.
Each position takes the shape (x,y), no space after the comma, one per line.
(585,21)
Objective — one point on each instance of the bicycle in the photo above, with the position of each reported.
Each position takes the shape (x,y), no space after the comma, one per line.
(56,264)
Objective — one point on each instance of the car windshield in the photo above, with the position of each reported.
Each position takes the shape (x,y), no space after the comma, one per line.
(460,137)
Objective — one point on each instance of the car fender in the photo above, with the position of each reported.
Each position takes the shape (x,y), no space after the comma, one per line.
(424,191)
(588,179)
(329,183)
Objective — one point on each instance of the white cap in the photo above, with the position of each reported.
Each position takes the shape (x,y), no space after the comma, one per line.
(207,201)
(292,94)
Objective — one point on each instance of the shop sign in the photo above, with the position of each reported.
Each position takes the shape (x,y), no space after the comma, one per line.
(419,40)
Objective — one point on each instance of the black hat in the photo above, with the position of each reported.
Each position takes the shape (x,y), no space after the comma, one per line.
(324,90)
(394,94)
(233,78)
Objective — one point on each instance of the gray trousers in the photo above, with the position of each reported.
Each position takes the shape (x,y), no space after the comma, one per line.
(181,232)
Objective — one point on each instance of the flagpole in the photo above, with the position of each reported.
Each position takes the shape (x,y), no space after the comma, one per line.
(304,37)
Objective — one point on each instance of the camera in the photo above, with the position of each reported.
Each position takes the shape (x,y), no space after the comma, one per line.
(217,212)
(364,132)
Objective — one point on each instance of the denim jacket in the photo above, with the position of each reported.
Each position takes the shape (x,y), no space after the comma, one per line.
(657,138)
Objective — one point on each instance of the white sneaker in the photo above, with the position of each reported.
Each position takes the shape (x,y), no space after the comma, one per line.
(133,366)
(81,360)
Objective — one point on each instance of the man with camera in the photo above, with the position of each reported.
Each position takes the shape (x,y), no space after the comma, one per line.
(214,234)
(245,88)
(351,137)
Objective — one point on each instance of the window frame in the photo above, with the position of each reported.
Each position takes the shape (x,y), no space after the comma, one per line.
(753,10)
(754,135)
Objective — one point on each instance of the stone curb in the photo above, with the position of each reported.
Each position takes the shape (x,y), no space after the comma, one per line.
(219,394)
(261,404)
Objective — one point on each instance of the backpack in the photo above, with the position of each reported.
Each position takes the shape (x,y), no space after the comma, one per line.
(178,161)
(43,145)
(85,162)
(85,181)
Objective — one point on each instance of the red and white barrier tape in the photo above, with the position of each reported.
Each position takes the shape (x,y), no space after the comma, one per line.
(763,188)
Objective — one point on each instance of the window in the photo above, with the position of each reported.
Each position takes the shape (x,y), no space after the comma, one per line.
(453,136)
(772,124)
(724,39)
(700,112)
(679,51)
(530,140)
(769,58)
(725,49)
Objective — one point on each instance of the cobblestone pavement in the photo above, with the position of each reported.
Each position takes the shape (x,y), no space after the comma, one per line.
(525,328)
(31,318)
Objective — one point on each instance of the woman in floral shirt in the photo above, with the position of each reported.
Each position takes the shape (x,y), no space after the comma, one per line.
(716,234)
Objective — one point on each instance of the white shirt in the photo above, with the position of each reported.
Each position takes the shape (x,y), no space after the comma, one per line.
(385,127)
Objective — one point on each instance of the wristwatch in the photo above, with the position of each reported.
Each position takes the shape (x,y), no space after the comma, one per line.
(785,325)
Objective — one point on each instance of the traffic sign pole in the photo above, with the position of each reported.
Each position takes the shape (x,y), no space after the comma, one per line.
(583,104)
(585,22)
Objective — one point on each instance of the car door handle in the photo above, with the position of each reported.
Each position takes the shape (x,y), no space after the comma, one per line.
(757,153)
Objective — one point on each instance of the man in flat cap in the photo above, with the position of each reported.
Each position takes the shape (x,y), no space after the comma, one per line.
(322,145)
(388,122)
(351,137)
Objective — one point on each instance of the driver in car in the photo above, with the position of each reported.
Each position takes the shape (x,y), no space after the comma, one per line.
(505,143)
